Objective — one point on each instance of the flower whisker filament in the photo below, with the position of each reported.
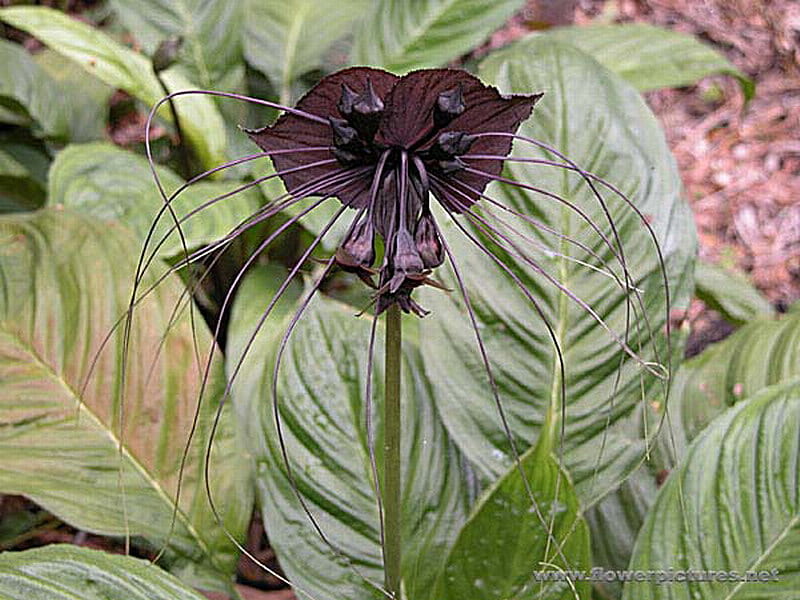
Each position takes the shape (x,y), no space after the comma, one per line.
(547,251)
(509,246)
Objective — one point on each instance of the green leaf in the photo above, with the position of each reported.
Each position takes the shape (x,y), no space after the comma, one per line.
(23,176)
(649,57)
(210,30)
(13,115)
(18,159)
(112,184)
(403,35)
(286,44)
(730,293)
(105,458)
(504,542)
(27,90)
(322,403)
(615,521)
(62,572)
(763,352)
(52,94)
(10,166)
(23,522)
(315,221)
(121,67)
(607,129)
(83,99)
(732,505)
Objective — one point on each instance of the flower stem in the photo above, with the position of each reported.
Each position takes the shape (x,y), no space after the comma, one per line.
(391,452)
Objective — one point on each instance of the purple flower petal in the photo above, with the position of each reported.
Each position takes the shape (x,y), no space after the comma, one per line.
(409,121)
(295,132)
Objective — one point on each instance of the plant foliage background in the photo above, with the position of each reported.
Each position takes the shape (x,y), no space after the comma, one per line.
(102,448)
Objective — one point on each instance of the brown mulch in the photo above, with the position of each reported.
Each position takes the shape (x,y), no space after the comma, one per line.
(740,164)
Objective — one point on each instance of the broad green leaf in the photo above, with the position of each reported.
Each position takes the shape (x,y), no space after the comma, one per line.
(27,90)
(763,352)
(23,175)
(403,35)
(112,184)
(12,115)
(210,30)
(505,542)
(604,126)
(650,57)
(731,506)
(47,92)
(121,67)
(62,572)
(25,158)
(83,99)
(730,293)
(104,456)
(286,44)
(20,523)
(322,410)
(614,523)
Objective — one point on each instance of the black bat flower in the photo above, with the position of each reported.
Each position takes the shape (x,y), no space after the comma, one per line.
(385,145)
(404,138)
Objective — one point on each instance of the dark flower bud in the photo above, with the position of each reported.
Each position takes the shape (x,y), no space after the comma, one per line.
(453,143)
(167,53)
(348,98)
(366,112)
(449,105)
(368,103)
(428,243)
(357,252)
(403,299)
(360,244)
(404,259)
(344,136)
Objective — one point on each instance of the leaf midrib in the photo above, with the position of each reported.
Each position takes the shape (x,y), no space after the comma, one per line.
(84,407)
(563,268)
